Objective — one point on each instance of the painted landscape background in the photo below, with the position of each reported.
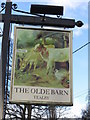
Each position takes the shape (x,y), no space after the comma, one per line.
(31,68)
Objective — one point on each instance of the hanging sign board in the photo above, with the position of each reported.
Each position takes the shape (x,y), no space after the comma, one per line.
(42,66)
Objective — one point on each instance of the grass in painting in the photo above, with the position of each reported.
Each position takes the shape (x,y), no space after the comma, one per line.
(37,77)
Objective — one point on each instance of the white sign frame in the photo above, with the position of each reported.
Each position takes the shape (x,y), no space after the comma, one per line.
(38,94)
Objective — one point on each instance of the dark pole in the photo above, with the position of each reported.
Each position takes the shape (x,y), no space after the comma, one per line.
(29,107)
(5,41)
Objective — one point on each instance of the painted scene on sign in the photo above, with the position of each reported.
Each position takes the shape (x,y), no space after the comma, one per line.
(42,58)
